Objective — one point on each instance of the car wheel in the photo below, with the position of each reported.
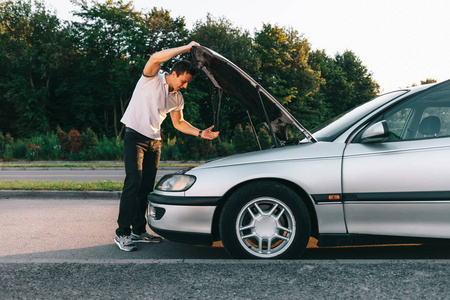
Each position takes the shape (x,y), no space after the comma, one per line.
(265,220)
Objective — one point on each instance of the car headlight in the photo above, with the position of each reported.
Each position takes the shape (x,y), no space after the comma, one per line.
(175,183)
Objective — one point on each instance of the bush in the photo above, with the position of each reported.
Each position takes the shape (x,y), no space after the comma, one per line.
(74,146)
(224,149)
(8,153)
(265,139)
(78,146)
(75,141)
(244,139)
(63,139)
(170,150)
(6,141)
(194,148)
(86,146)
(90,142)
(32,151)
(20,149)
(41,147)
(109,149)
(50,148)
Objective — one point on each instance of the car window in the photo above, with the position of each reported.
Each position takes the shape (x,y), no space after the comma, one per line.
(397,121)
(443,113)
(329,130)
(423,116)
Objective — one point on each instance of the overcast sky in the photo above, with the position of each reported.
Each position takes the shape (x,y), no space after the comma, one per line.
(401,42)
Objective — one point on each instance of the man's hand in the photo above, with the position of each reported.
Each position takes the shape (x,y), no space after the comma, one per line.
(192,44)
(207,134)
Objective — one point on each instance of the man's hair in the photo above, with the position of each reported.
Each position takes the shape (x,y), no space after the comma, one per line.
(183,66)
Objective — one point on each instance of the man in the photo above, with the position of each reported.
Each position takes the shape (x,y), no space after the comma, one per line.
(155,95)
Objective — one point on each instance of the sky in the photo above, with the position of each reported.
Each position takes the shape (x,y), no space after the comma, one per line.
(401,42)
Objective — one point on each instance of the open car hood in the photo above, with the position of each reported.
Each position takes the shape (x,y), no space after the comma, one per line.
(227,76)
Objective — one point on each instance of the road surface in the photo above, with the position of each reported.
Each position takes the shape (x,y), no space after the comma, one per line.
(63,249)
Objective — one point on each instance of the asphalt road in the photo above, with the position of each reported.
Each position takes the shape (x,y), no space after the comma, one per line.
(72,174)
(63,249)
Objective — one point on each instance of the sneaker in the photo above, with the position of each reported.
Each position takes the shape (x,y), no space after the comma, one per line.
(125,243)
(145,238)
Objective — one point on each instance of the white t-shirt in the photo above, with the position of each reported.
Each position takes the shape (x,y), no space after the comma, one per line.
(149,105)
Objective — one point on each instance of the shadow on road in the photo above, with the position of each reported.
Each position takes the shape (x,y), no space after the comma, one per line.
(175,251)
(164,250)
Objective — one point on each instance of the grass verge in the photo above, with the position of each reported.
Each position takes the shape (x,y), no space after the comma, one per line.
(62,185)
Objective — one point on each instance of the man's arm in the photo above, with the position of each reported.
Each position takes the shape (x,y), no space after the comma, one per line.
(182,125)
(154,63)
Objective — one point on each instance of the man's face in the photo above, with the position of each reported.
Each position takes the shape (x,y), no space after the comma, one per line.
(180,82)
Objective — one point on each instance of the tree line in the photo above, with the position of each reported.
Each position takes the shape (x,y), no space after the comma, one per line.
(80,74)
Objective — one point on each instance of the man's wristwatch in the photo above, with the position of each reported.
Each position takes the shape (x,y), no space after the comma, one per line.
(200,133)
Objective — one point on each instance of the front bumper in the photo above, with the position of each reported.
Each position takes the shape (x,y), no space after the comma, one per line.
(182,219)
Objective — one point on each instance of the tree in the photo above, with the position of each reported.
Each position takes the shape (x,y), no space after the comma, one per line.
(348,82)
(236,45)
(107,40)
(81,75)
(284,70)
(32,49)
(116,42)
(427,81)
(244,139)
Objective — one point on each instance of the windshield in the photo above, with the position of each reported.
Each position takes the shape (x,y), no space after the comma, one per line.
(332,128)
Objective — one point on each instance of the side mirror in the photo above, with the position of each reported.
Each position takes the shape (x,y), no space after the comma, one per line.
(378,132)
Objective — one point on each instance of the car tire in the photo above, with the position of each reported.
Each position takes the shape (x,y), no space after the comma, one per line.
(266,220)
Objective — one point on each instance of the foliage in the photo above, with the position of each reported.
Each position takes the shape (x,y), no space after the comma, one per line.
(115,41)
(75,141)
(170,151)
(427,81)
(64,140)
(6,142)
(32,51)
(81,74)
(90,142)
(244,139)
(221,36)
(58,145)
(109,149)
(347,82)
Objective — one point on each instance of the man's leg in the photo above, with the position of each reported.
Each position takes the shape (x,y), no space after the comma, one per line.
(150,167)
(133,157)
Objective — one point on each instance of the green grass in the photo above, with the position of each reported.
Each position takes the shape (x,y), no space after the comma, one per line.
(62,185)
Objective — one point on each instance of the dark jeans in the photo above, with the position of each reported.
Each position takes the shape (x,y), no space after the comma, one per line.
(141,158)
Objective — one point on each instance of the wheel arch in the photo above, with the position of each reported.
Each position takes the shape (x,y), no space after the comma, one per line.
(296,188)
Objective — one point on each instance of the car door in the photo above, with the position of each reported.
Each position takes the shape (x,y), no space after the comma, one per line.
(401,186)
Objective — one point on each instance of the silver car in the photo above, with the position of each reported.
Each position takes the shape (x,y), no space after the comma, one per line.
(379,173)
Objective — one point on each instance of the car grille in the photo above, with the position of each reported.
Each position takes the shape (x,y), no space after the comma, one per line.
(159,212)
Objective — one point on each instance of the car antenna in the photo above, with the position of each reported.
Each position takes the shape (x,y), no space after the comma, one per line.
(254,130)
(267,117)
